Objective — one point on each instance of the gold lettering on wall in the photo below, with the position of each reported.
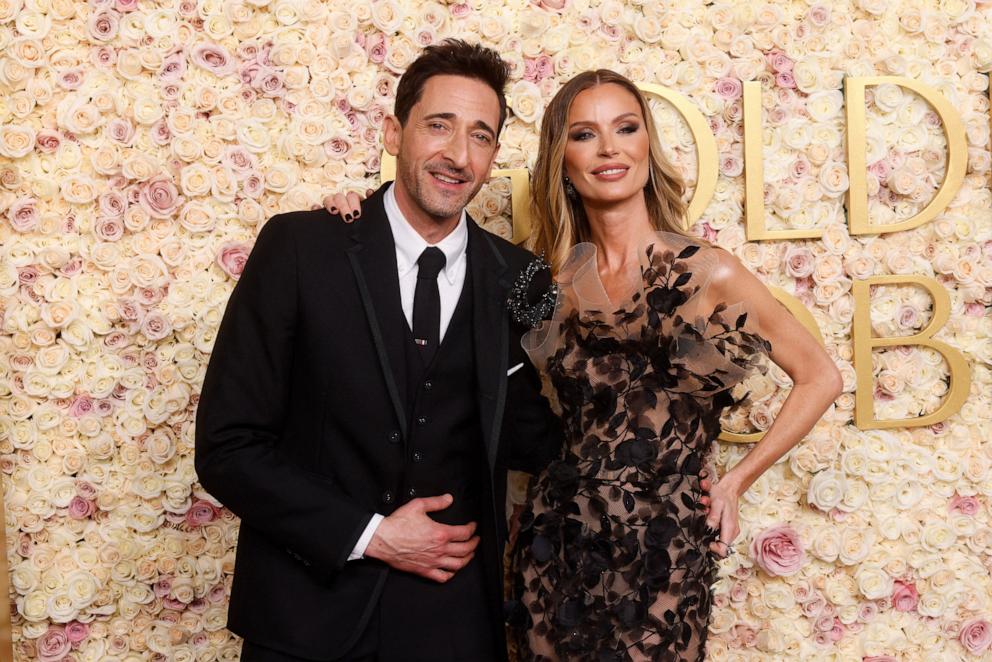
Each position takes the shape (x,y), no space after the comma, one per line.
(804,317)
(754,175)
(865,341)
(707,156)
(857,141)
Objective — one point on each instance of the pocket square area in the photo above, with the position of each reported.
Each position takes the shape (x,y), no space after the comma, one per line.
(514,369)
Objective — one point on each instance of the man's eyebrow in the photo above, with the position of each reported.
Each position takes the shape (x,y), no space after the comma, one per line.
(479,124)
(616,119)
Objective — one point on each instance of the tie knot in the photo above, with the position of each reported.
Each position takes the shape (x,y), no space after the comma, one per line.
(430,263)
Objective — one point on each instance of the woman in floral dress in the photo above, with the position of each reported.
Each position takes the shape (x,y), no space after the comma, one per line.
(651,330)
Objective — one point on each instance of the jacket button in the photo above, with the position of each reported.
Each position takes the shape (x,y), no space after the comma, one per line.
(421,420)
(387,497)
(411,492)
(417,456)
(394,437)
(428,385)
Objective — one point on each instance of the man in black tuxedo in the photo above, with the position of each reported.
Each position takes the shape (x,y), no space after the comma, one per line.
(366,394)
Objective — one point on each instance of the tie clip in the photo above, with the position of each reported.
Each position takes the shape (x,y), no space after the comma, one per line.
(420,341)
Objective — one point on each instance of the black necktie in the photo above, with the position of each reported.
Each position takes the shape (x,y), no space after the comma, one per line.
(427,303)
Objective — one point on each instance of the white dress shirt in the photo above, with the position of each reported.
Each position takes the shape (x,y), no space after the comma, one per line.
(409,245)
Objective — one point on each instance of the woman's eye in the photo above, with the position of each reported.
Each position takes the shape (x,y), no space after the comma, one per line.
(581,135)
(629,128)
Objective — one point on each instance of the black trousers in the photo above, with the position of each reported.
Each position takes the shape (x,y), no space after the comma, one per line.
(424,622)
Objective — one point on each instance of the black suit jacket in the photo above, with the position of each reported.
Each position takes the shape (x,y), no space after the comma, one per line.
(301,418)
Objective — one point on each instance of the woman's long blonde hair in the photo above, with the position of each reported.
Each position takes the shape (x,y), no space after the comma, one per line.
(560,222)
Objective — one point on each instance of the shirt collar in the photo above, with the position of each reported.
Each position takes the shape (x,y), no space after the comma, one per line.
(409,243)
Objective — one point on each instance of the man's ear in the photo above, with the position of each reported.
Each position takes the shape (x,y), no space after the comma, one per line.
(392,134)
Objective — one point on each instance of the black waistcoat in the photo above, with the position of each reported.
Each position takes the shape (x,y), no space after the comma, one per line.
(445,454)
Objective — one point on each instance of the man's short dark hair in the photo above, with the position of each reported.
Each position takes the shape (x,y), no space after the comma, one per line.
(452,57)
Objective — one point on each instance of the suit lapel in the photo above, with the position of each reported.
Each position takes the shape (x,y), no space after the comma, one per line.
(373,259)
(491,330)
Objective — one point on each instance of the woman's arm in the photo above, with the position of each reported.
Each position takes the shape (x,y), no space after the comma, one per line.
(816,384)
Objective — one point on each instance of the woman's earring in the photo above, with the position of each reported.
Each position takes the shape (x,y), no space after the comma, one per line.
(570,189)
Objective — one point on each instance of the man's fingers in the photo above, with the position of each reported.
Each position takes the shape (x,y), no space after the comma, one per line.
(454,563)
(461,548)
(438,575)
(435,503)
(461,532)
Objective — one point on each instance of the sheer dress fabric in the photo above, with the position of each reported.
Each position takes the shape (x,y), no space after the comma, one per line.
(614,560)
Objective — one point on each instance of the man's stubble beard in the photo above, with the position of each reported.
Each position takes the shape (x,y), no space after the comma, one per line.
(436,205)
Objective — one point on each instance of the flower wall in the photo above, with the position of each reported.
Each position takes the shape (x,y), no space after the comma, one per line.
(143,144)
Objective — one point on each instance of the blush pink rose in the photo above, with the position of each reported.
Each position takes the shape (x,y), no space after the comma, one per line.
(80,508)
(214,58)
(53,645)
(976,636)
(81,405)
(966,505)
(48,140)
(103,25)
(155,326)
(728,88)
(785,79)
(904,596)
(461,10)
(108,229)
(201,512)
(23,214)
(76,632)
(159,197)
(231,258)
(778,550)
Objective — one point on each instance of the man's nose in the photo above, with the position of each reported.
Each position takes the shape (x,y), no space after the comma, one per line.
(456,150)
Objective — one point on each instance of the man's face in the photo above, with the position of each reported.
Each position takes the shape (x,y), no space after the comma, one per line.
(446,149)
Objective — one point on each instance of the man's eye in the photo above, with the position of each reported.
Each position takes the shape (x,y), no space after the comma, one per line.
(483,138)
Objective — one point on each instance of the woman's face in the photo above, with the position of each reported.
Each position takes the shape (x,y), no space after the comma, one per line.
(606,149)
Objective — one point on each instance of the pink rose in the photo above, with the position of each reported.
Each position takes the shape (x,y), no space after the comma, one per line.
(160,197)
(48,140)
(785,79)
(728,88)
(85,489)
(778,550)
(966,505)
(103,25)
(80,508)
(553,5)
(779,61)
(799,262)
(27,275)
(269,82)
(376,48)
(214,58)
(120,130)
(53,645)
(819,15)
(231,258)
(23,214)
(904,596)
(976,635)
(108,229)
(81,405)
(155,326)
(173,67)
(76,632)
(103,57)
(162,587)
(460,10)
(112,204)
(201,512)
(70,79)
